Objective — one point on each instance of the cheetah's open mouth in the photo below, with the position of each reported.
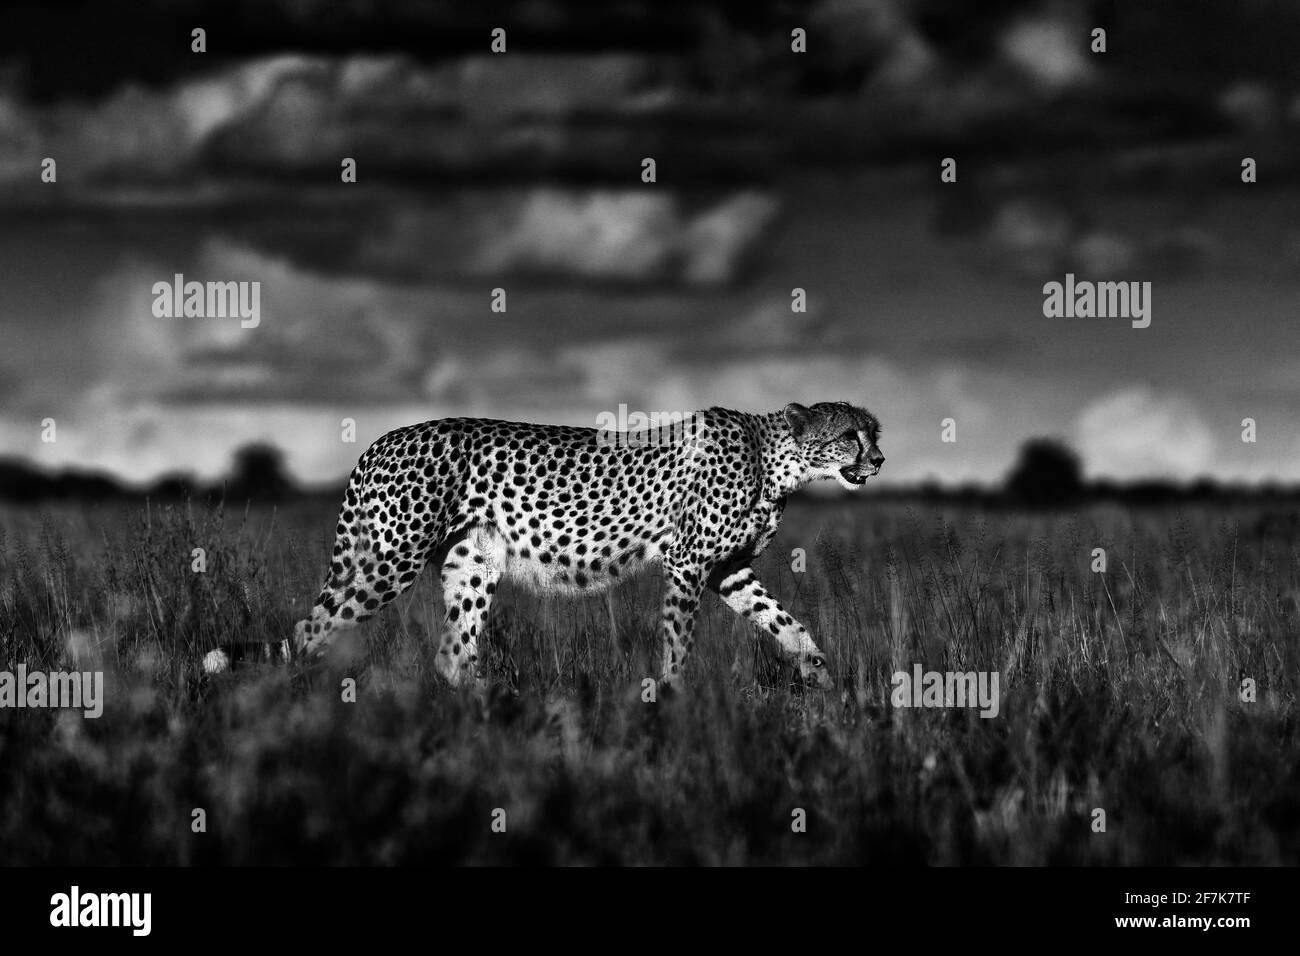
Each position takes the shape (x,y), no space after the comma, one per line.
(852,477)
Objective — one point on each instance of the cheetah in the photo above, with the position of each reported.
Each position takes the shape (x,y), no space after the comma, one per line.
(574,510)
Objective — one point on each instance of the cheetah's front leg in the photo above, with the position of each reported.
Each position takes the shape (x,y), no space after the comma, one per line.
(744,594)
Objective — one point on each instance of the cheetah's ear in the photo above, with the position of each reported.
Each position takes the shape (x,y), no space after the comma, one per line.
(797,417)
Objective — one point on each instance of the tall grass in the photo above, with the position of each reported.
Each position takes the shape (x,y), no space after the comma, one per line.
(1120,692)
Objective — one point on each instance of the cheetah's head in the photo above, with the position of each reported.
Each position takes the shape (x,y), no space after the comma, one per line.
(836,440)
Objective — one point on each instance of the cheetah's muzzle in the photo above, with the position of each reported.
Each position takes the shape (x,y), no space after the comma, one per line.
(852,475)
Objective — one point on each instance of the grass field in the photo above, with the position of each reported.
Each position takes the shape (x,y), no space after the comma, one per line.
(1120,691)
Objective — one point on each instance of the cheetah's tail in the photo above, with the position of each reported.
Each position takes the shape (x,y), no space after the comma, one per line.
(226,656)
(352,541)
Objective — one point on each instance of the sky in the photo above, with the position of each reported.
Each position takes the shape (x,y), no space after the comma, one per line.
(919,331)
(924,297)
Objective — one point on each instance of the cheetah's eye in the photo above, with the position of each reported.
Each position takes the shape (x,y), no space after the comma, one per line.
(849,436)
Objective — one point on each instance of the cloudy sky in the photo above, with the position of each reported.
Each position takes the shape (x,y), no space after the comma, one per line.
(924,298)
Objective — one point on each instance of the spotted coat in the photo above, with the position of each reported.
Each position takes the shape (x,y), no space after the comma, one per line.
(573,510)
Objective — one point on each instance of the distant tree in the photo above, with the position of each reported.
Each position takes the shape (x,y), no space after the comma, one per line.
(77,485)
(21,481)
(1047,472)
(173,486)
(258,473)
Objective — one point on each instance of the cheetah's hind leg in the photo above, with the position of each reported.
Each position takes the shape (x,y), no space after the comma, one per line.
(371,580)
(470,573)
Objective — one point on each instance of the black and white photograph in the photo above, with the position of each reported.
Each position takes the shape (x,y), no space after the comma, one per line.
(722,435)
